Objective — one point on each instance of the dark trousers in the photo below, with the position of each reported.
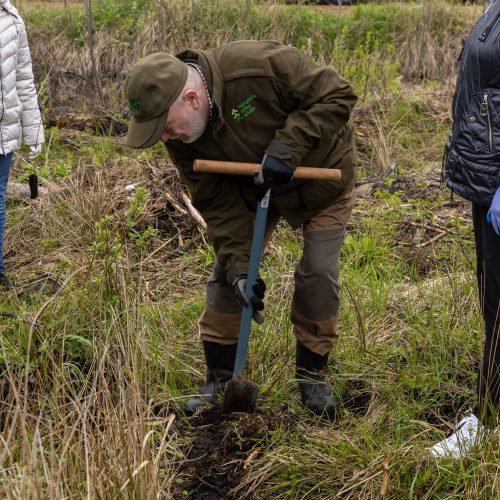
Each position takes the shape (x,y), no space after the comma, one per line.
(315,302)
(488,278)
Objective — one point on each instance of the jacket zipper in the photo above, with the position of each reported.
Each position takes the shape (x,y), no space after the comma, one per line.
(487,30)
(485,112)
(464,53)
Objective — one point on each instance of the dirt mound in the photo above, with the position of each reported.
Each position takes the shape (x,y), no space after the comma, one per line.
(222,447)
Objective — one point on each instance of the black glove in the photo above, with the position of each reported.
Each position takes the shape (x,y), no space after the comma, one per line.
(259,287)
(33,184)
(272,172)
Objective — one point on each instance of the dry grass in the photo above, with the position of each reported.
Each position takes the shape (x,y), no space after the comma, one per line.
(65,431)
(426,45)
(95,369)
(80,412)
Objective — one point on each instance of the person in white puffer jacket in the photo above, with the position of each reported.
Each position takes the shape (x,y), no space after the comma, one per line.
(20,119)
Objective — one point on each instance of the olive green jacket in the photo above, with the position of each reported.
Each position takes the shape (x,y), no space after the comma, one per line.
(268,98)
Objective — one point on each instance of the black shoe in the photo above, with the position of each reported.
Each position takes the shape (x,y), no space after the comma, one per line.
(220,366)
(315,394)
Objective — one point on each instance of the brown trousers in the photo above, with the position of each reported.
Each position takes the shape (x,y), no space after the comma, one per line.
(315,302)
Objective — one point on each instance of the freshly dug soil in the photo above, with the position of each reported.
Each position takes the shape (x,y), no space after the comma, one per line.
(220,445)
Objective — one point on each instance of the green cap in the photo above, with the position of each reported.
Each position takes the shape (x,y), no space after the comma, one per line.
(151,87)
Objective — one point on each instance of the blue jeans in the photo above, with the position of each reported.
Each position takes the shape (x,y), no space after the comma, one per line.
(5,162)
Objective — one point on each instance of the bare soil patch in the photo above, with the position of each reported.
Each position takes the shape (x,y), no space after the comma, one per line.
(222,448)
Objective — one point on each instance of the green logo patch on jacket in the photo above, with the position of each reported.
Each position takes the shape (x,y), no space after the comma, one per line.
(244,109)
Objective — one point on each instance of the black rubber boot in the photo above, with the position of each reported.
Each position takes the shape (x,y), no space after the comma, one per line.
(220,366)
(315,394)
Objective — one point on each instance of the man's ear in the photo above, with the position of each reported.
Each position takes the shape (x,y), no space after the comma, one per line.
(191,98)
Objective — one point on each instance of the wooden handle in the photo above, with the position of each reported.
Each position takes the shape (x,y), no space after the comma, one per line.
(235,168)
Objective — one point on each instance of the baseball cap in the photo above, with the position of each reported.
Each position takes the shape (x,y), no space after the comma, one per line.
(151,87)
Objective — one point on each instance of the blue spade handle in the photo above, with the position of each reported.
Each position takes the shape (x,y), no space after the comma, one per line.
(259,232)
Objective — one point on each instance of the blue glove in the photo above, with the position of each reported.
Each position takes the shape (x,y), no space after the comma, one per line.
(493,216)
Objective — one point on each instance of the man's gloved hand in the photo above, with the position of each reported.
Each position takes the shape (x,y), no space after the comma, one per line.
(35,151)
(259,287)
(272,172)
(493,216)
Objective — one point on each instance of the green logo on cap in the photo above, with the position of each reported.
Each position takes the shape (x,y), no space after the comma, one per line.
(134,106)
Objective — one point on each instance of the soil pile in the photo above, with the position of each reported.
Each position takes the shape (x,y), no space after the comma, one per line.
(222,448)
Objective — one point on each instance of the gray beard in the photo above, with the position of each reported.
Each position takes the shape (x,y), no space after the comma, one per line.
(198,127)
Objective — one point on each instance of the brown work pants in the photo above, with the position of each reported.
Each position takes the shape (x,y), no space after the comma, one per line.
(315,302)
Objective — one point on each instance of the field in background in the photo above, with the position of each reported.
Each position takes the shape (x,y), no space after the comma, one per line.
(98,344)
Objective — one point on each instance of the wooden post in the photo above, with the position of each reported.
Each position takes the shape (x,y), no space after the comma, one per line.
(161,26)
(90,45)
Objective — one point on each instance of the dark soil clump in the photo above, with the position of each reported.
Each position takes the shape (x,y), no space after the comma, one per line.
(357,397)
(220,445)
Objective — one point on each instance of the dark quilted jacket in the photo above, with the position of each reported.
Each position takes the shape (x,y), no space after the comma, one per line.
(472,153)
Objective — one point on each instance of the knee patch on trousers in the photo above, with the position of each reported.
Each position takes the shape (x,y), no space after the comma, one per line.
(218,327)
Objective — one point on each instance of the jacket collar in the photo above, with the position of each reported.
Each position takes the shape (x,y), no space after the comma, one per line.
(6,5)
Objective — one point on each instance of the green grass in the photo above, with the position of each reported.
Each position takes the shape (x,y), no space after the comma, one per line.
(123,16)
(408,344)
(97,371)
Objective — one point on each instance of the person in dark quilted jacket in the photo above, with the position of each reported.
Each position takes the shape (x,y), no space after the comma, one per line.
(472,170)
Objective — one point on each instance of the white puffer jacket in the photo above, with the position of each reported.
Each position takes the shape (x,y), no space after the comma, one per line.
(19,113)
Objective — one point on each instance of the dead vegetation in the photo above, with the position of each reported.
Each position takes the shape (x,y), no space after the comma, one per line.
(99,344)
(425,47)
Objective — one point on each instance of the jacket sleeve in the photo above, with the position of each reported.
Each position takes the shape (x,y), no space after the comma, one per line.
(229,221)
(25,86)
(320,104)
